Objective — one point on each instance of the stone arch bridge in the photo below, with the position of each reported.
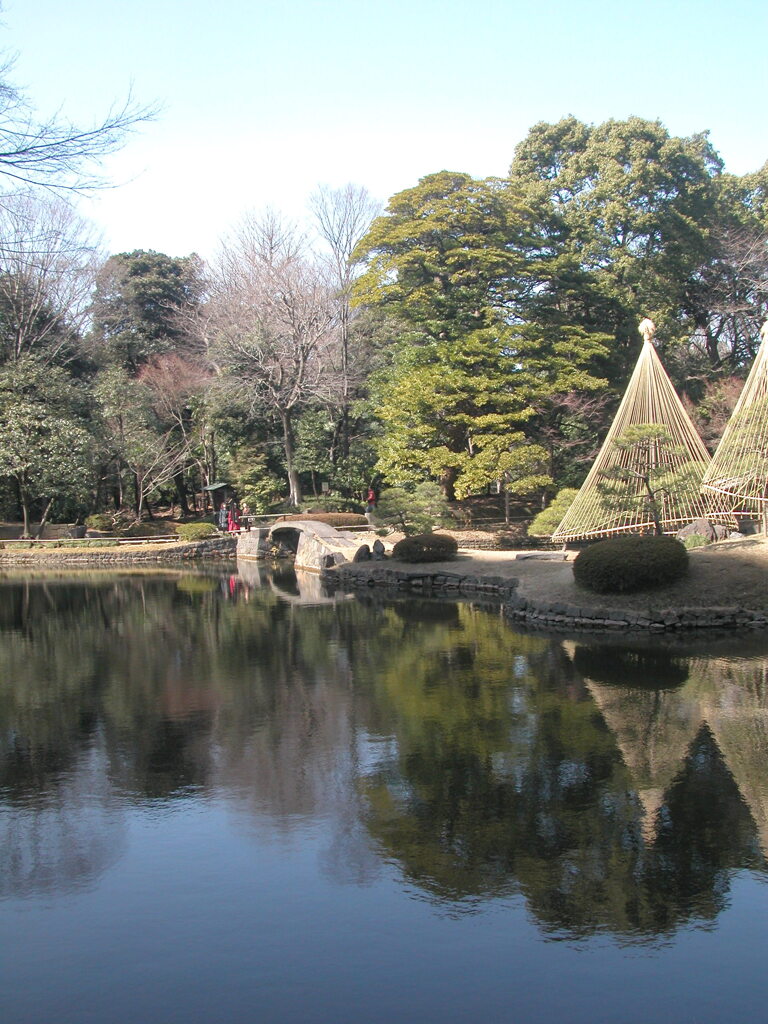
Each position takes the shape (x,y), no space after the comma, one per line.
(311,541)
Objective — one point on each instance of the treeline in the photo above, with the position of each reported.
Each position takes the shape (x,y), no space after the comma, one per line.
(477,332)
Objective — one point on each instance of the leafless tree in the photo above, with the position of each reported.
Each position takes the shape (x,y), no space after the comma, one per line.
(48,263)
(135,437)
(733,298)
(711,413)
(273,317)
(569,425)
(177,387)
(343,216)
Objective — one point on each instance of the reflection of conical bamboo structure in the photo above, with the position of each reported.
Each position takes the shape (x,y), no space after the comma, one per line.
(650,399)
(739,467)
(737,714)
(654,730)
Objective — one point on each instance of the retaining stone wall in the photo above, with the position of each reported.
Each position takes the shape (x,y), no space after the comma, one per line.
(669,620)
(501,587)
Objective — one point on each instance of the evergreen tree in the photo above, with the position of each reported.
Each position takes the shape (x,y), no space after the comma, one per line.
(46,448)
(623,218)
(141,304)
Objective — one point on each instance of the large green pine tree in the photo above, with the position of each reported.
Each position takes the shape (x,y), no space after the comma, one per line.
(465,375)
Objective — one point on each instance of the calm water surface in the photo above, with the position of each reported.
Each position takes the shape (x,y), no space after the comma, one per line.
(229,798)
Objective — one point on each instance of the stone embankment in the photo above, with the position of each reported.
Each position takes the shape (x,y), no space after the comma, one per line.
(668,620)
(542,613)
(44,556)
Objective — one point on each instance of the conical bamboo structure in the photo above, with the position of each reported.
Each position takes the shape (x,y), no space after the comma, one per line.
(650,400)
(739,467)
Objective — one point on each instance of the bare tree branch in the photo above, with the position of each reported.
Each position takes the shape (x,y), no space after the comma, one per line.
(48,261)
(55,153)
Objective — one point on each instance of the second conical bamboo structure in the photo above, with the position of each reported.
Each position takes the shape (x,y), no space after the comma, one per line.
(650,400)
(739,468)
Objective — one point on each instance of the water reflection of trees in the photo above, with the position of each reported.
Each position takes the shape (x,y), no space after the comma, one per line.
(157,666)
(186,683)
(515,772)
(64,838)
(481,761)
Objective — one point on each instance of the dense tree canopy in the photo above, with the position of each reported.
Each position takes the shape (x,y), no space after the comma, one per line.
(443,254)
(477,333)
(447,260)
(623,220)
(139,304)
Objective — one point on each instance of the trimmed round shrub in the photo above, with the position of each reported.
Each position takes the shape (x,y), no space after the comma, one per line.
(639,668)
(425,547)
(196,531)
(621,565)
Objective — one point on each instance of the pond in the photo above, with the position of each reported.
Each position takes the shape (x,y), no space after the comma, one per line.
(231,798)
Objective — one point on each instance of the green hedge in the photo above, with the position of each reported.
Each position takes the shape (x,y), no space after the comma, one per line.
(197,585)
(161,528)
(91,542)
(621,565)
(196,531)
(425,547)
(333,504)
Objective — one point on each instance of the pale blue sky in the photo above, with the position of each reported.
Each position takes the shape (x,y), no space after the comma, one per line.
(264,101)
